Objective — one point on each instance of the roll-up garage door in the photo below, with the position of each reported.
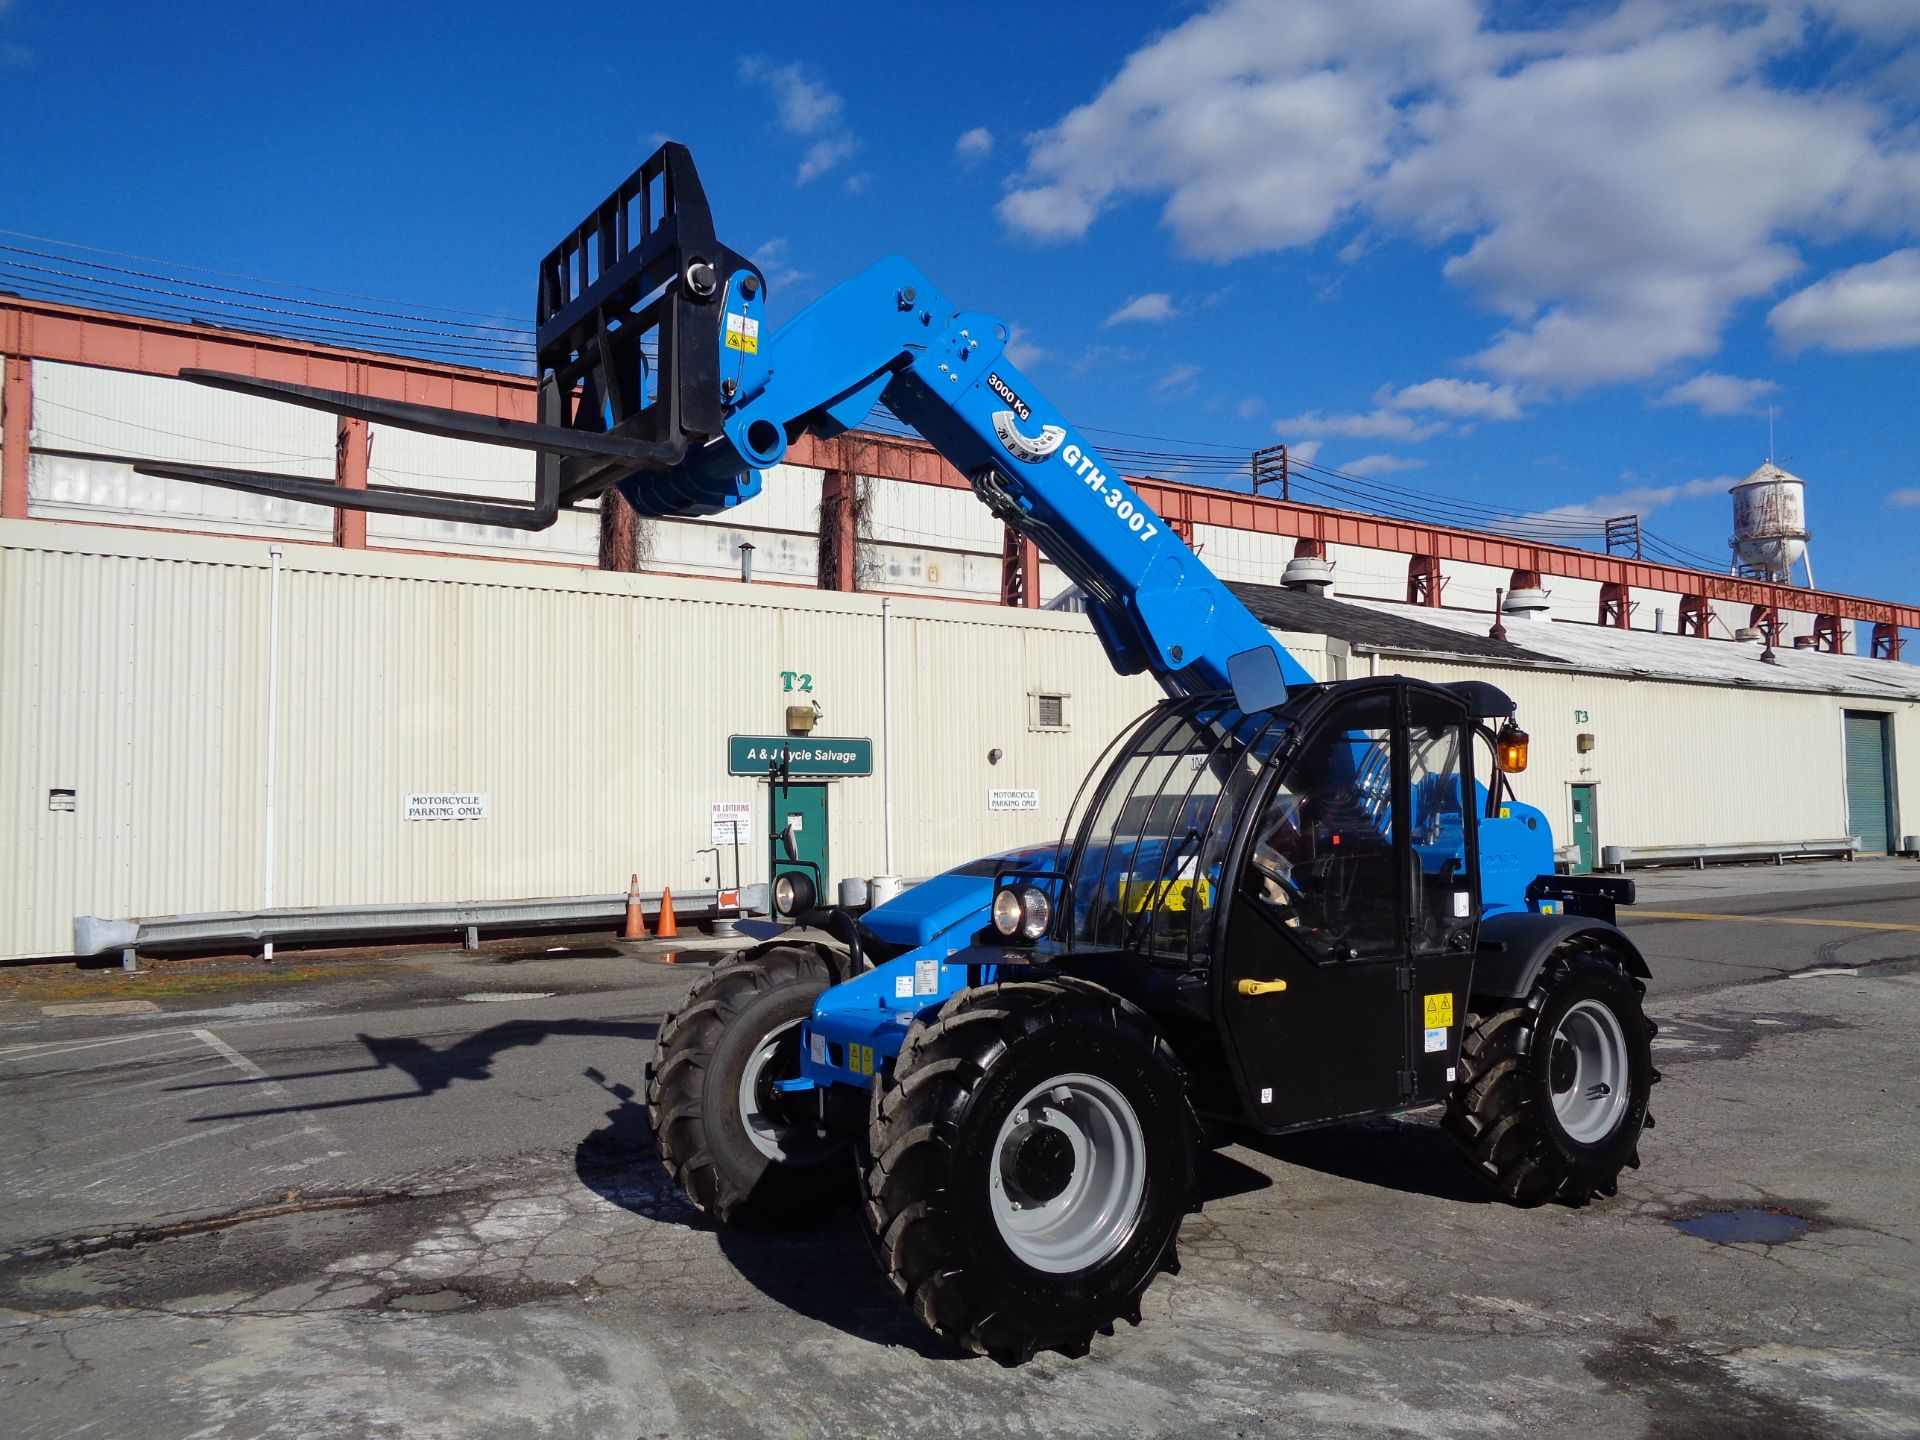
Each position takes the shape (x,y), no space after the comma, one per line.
(1869,807)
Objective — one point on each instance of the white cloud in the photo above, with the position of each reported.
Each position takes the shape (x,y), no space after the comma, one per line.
(858,184)
(1177,381)
(1381,465)
(1615,184)
(1380,424)
(775,261)
(1250,407)
(807,108)
(1021,350)
(1905,499)
(1149,308)
(974,146)
(1102,357)
(1720,394)
(1304,452)
(1461,399)
(1641,499)
(1868,307)
(823,155)
(1877,19)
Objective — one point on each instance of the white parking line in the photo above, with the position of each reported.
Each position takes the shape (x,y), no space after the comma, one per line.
(64,1047)
(271,1087)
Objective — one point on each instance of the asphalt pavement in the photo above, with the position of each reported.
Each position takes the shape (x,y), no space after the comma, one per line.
(419,1197)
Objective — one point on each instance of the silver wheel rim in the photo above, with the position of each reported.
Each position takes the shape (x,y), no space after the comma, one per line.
(1068,1171)
(1587,1072)
(788,1144)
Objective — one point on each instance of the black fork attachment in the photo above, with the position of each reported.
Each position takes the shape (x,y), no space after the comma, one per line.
(628,340)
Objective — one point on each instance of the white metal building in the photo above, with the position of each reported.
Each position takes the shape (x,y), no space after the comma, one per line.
(592,709)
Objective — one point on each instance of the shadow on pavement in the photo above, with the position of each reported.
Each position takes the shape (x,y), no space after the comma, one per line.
(828,1273)
(1403,1155)
(470,1057)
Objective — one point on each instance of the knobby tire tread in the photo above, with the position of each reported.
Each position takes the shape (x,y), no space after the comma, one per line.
(1492,1112)
(912,1132)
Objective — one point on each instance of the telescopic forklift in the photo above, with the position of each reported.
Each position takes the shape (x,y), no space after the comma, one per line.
(1276,904)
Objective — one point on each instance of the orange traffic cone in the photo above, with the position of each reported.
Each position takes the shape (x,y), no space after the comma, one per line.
(665,926)
(636,922)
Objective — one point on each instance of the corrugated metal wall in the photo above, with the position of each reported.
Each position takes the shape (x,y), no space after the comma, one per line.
(1675,764)
(592,709)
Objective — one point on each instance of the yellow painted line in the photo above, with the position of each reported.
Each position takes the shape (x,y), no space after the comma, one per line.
(1637,914)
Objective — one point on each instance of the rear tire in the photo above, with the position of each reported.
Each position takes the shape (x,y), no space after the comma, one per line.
(1033,1160)
(1552,1095)
(715,1120)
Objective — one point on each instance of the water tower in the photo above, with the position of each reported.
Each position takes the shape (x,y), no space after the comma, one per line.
(1770,525)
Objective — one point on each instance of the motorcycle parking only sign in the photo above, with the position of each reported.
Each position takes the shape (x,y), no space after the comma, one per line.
(462,806)
(1013,799)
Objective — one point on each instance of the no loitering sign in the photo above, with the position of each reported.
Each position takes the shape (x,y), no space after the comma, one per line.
(465,805)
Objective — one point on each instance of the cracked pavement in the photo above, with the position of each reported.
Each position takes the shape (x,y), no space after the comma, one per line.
(400,1212)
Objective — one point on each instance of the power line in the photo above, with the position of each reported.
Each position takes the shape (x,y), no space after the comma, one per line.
(254,279)
(490,335)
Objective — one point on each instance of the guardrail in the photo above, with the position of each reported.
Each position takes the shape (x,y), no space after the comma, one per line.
(1618,857)
(93,935)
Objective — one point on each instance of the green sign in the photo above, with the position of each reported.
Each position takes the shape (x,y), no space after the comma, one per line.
(1580,717)
(803,754)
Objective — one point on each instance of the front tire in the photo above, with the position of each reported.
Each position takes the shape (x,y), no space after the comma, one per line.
(1552,1096)
(1033,1160)
(717,1123)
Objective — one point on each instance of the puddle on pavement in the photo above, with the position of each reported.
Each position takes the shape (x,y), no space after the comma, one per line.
(557,952)
(481,997)
(430,1301)
(1745,1226)
(1870,969)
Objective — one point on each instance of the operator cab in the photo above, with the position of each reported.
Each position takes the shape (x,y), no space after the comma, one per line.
(1306,876)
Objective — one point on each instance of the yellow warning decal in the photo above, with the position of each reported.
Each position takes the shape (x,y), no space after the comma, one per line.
(743,334)
(860,1059)
(1439,1011)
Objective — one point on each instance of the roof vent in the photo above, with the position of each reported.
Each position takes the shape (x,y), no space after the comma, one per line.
(1308,570)
(1528,598)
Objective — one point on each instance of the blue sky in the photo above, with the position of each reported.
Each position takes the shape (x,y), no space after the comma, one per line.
(1561,257)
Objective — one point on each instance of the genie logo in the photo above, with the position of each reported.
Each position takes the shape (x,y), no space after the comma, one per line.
(1030,448)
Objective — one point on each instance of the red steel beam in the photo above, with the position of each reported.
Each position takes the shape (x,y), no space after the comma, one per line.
(41,330)
(66,334)
(16,412)
(351,452)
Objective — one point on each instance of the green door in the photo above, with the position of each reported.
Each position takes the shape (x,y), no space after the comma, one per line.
(1869,782)
(803,808)
(1586,830)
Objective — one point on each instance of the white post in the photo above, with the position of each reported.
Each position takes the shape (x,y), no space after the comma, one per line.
(273,732)
(886,722)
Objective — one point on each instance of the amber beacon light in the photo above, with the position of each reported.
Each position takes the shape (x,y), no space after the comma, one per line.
(1510,748)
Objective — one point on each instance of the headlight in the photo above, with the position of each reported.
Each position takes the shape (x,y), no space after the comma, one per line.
(1006,912)
(1038,912)
(792,894)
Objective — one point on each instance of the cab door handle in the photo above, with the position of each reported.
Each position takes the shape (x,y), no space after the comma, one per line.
(1261,987)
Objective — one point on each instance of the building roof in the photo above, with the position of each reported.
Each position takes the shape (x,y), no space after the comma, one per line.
(1396,628)
(1387,628)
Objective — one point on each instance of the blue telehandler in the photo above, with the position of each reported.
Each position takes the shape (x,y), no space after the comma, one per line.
(1275,904)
